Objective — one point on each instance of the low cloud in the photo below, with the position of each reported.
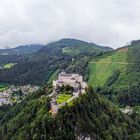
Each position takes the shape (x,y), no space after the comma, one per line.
(111,22)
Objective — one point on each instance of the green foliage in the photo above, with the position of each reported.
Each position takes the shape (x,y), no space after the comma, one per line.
(40,67)
(89,116)
(26,115)
(107,67)
(21,50)
(65,89)
(66,50)
(133,57)
(9,66)
(3,86)
(63,98)
(129,96)
(53,77)
(114,77)
(17,93)
(5,59)
(89,89)
(137,109)
(104,68)
(79,65)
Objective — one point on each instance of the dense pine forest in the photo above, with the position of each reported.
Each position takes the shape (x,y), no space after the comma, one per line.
(90,115)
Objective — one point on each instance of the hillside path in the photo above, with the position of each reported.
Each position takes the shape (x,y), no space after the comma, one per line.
(55,107)
(122,63)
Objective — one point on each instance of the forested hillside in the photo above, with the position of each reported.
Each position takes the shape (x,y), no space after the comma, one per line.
(70,54)
(31,119)
(13,55)
(118,74)
(21,50)
(116,69)
(122,66)
(113,74)
(6,59)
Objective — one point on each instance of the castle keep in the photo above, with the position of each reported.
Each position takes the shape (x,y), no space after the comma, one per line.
(73,80)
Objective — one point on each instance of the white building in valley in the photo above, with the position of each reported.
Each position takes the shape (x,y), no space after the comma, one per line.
(73,80)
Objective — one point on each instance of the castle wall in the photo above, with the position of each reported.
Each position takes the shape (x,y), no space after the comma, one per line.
(73,80)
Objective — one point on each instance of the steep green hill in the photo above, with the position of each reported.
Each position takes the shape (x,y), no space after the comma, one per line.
(90,116)
(5,59)
(37,68)
(3,86)
(123,65)
(21,50)
(118,74)
(103,68)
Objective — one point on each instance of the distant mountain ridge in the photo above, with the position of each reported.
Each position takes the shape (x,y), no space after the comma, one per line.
(70,42)
(22,50)
(33,48)
(135,42)
(36,68)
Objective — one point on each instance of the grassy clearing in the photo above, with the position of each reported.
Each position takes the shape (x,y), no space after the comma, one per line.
(53,77)
(66,50)
(63,98)
(101,71)
(3,87)
(80,50)
(9,66)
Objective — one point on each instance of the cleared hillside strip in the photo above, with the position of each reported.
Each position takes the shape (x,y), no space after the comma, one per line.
(101,70)
(122,63)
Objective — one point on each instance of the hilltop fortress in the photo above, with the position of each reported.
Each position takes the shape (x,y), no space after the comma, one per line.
(73,80)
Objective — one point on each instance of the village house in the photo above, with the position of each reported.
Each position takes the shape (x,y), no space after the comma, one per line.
(73,80)
(6,95)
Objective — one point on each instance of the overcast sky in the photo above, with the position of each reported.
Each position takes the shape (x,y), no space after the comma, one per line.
(105,22)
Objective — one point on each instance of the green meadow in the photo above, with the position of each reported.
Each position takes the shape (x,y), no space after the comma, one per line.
(9,65)
(63,98)
(103,68)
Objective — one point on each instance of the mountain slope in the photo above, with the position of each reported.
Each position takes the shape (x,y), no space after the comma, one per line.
(5,59)
(101,120)
(21,50)
(89,116)
(124,61)
(118,75)
(100,70)
(14,54)
(37,68)
(75,47)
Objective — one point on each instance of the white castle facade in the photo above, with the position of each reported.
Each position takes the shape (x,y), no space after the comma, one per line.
(73,80)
